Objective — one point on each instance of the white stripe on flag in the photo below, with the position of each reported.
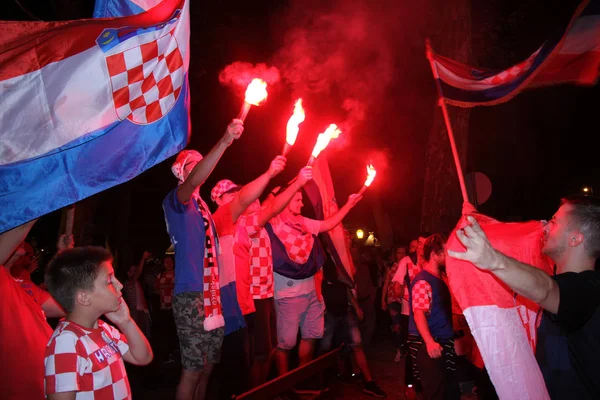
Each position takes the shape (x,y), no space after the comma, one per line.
(506,352)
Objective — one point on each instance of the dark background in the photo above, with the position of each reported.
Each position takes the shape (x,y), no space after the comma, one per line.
(535,148)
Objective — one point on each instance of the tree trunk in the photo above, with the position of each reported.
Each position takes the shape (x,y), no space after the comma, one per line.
(442,199)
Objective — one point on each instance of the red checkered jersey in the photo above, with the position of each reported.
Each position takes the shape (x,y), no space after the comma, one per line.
(295,232)
(146,80)
(166,284)
(421,296)
(87,361)
(261,259)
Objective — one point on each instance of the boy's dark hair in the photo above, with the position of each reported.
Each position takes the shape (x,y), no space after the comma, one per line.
(433,244)
(585,217)
(73,270)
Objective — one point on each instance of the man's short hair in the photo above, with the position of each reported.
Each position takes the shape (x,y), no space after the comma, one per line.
(585,217)
(433,244)
(73,270)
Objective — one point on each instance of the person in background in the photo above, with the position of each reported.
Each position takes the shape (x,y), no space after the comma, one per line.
(392,302)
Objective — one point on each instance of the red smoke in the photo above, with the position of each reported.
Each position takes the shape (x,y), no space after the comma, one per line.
(241,74)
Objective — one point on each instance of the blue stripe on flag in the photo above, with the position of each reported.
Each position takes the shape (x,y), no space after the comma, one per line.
(103,159)
(115,8)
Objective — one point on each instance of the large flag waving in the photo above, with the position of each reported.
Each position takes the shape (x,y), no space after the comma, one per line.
(322,197)
(89,104)
(573,58)
(503,324)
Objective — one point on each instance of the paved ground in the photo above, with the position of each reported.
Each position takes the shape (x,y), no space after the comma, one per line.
(158,381)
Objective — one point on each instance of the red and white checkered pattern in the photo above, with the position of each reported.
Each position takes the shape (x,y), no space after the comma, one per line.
(146,80)
(413,270)
(166,284)
(296,238)
(421,296)
(261,259)
(88,361)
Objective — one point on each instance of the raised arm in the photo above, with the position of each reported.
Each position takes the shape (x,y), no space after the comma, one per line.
(336,218)
(203,169)
(277,204)
(10,240)
(252,191)
(140,267)
(524,279)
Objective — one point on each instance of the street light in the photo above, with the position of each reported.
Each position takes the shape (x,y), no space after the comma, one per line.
(587,190)
(360,233)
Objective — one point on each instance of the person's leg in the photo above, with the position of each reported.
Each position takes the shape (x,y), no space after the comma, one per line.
(394,309)
(327,341)
(289,313)
(234,364)
(432,372)
(312,327)
(198,347)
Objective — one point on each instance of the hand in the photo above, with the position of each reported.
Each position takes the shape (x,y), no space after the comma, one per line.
(65,242)
(234,131)
(33,264)
(359,313)
(434,349)
(120,316)
(353,199)
(146,255)
(479,250)
(383,305)
(305,175)
(277,165)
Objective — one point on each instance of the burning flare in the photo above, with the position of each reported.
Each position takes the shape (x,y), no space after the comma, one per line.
(256,92)
(292,126)
(323,140)
(370,175)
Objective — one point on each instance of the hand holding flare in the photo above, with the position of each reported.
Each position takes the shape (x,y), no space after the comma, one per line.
(323,140)
(292,127)
(256,93)
(371,172)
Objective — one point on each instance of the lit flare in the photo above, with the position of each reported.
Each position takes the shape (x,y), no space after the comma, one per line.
(293,126)
(323,140)
(371,172)
(256,93)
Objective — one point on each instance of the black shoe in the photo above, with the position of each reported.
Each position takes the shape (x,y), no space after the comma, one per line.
(374,390)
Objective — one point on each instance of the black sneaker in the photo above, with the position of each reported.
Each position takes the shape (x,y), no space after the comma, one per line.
(374,390)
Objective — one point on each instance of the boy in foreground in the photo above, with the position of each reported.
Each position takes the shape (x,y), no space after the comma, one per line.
(84,358)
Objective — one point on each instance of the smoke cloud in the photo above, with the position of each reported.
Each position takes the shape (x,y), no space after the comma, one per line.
(241,74)
(345,49)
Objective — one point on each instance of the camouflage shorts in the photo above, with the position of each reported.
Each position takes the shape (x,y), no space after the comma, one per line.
(197,345)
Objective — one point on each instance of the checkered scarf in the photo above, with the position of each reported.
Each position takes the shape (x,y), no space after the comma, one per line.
(296,238)
(213,311)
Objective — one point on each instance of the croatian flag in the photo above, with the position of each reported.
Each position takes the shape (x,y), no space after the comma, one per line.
(89,104)
(573,58)
(503,324)
(321,194)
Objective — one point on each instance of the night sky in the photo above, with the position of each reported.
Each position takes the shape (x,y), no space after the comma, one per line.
(535,148)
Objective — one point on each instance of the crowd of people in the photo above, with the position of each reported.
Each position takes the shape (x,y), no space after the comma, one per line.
(250,283)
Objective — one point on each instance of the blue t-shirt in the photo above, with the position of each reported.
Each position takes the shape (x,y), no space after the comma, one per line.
(185,227)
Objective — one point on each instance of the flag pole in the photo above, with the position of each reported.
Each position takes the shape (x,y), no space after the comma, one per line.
(442,104)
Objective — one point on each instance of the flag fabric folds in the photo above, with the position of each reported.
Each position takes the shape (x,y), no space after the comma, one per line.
(503,324)
(573,58)
(89,104)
